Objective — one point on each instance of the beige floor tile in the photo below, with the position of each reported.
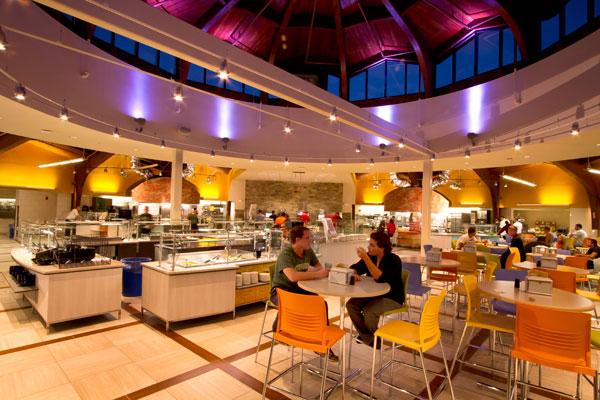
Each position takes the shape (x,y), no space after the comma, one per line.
(62,392)
(167,365)
(131,334)
(148,346)
(79,346)
(112,383)
(18,337)
(93,363)
(162,395)
(31,381)
(215,384)
(26,359)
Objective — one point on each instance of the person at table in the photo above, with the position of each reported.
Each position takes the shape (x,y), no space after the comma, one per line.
(379,262)
(469,237)
(549,237)
(593,251)
(515,241)
(578,234)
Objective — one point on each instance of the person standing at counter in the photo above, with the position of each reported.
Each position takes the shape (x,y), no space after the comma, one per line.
(379,262)
(193,218)
(260,216)
(468,237)
(73,214)
(145,216)
(391,227)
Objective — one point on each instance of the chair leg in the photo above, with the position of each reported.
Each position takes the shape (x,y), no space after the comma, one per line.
(462,337)
(260,334)
(324,378)
(425,375)
(578,391)
(268,369)
(509,377)
(448,375)
(373,368)
(596,388)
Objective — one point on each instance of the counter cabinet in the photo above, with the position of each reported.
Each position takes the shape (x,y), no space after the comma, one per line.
(255,293)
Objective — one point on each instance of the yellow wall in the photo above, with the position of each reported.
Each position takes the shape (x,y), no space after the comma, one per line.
(19,167)
(553,187)
(365,194)
(110,182)
(218,189)
(474,194)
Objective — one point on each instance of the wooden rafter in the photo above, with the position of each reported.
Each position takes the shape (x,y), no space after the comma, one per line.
(205,25)
(341,42)
(418,43)
(512,23)
(276,42)
(491,179)
(9,142)
(82,171)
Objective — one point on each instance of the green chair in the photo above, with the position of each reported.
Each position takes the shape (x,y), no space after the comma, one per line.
(453,244)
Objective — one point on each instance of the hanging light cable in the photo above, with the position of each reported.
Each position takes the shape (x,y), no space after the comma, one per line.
(64,113)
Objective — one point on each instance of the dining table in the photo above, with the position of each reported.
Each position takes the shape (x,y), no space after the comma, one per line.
(529,265)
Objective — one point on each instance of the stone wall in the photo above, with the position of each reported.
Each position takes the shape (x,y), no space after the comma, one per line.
(158,190)
(291,197)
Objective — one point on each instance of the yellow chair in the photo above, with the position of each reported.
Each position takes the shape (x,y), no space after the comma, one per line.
(482,248)
(468,263)
(421,338)
(453,243)
(478,320)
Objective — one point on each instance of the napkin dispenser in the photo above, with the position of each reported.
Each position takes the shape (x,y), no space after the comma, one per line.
(470,248)
(342,276)
(540,249)
(434,255)
(539,285)
(548,262)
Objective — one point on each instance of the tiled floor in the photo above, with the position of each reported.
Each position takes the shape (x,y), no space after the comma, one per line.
(209,358)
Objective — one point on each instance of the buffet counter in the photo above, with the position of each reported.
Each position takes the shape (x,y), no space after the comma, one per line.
(65,294)
(185,292)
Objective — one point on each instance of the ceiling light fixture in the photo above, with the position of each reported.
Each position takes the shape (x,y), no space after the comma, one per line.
(116,133)
(212,153)
(329,163)
(467,153)
(251,158)
(65,162)
(163,144)
(592,170)
(575,128)
(178,94)
(3,41)
(372,162)
(401,144)
(517,144)
(224,70)
(287,127)
(333,115)
(286,162)
(64,114)
(209,180)
(397,159)
(432,158)
(20,92)
(357,148)
(521,181)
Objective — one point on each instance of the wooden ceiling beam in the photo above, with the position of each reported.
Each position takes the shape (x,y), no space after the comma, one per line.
(515,27)
(418,43)
(276,42)
(341,42)
(206,22)
(9,142)
(491,178)
(82,171)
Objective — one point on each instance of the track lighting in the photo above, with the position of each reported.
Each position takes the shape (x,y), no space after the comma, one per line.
(64,114)
(329,163)
(163,144)
(116,134)
(224,70)
(20,92)
(251,158)
(467,153)
(287,127)
(286,162)
(397,159)
(432,158)
(401,144)
(58,163)
(3,41)
(372,162)
(212,153)
(333,115)
(592,170)
(209,180)
(178,94)
(517,144)
(575,128)
(521,181)
(357,148)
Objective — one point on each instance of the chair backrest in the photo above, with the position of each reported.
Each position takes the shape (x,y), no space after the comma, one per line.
(468,261)
(414,277)
(405,278)
(578,262)
(557,338)
(563,280)
(483,248)
(473,298)
(429,327)
(510,274)
(449,255)
(509,260)
(490,268)
(453,243)
(516,252)
(427,247)
(570,243)
(301,317)
(493,257)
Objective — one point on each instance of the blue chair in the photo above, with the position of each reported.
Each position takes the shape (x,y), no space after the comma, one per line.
(427,247)
(507,275)
(415,283)
(497,250)
(564,252)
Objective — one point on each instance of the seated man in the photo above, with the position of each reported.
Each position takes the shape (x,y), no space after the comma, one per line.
(379,262)
(468,237)
(517,242)
(593,251)
(549,237)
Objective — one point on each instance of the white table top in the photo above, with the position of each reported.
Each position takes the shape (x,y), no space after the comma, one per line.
(444,262)
(560,299)
(529,265)
(366,287)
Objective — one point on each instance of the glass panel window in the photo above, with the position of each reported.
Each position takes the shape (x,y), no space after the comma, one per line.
(508,47)
(412,78)
(272,96)
(147,53)
(333,84)
(488,53)
(576,15)
(103,34)
(443,73)
(125,44)
(422,82)
(376,81)
(196,73)
(597,8)
(213,79)
(166,62)
(395,78)
(252,91)
(465,61)
(549,31)
(234,85)
(357,87)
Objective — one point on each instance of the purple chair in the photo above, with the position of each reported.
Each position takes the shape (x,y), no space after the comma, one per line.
(564,252)
(415,283)
(497,250)
(507,275)
(427,247)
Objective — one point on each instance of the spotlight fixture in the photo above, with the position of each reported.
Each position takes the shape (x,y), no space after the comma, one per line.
(376,185)
(224,70)
(287,127)
(333,115)
(432,157)
(20,92)
(209,180)
(397,159)
(575,128)
(225,141)
(178,94)
(592,170)
(401,143)
(3,41)
(357,148)
(456,185)
(517,180)
(105,170)
(64,114)
(58,163)
(467,153)
(212,153)
(140,124)
(116,134)
(286,162)
(517,144)
(163,144)
(123,173)
(372,162)
(329,163)
(251,158)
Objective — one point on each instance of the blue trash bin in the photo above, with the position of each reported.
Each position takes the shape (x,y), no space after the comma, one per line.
(132,275)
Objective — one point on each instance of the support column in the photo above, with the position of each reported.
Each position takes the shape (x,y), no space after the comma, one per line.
(426,203)
(176,183)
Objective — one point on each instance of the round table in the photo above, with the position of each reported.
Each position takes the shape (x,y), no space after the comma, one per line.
(560,299)
(529,265)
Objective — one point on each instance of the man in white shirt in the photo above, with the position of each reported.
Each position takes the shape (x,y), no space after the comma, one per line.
(468,237)
(74,214)
(518,225)
(579,234)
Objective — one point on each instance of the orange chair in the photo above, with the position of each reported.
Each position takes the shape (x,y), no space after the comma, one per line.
(509,261)
(579,262)
(449,255)
(562,280)
(516,257)
(302,322)
(552,338)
